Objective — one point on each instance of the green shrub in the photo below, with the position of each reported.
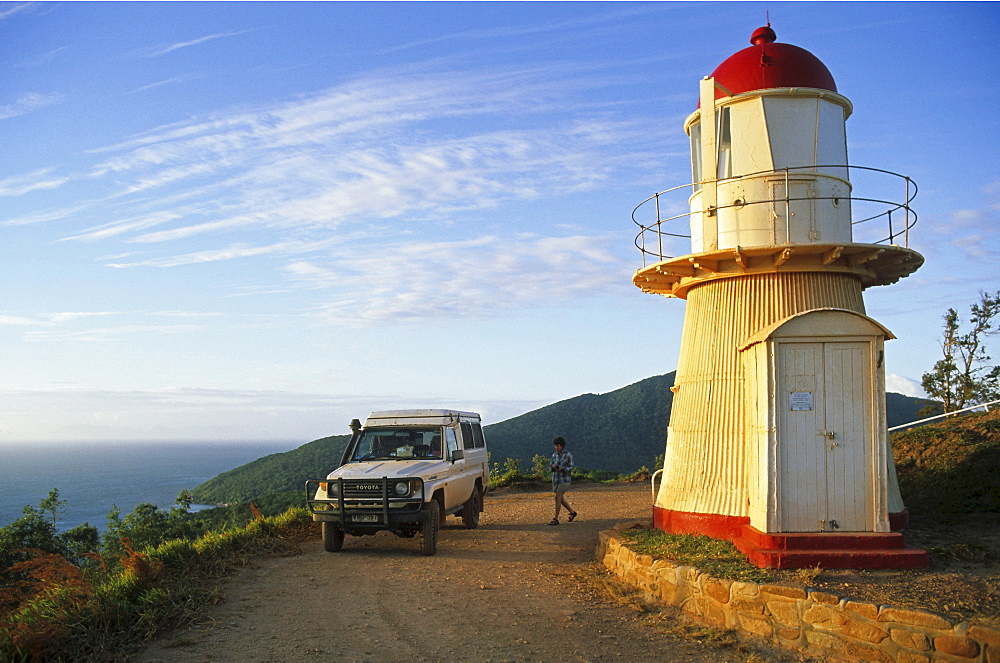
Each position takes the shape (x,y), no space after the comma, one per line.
(506,475)
(597,476)
(541,468)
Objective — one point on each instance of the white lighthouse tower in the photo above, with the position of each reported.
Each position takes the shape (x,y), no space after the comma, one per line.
(777,438)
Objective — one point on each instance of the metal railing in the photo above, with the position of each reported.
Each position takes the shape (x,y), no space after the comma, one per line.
(654,487)
(655,228)
(985,406)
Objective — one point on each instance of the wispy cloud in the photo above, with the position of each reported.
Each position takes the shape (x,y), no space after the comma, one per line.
(227,253)
(27,103)
(9,9)
(188,314)
(508,31)
(42,59)
(49,319)
(185,413)
(163,50)
(105,334)
(379,164)
(106,326)
(22,184)
(168,81)
(372,149)
(979,247)
(965,232)
(173,413)
(421,280)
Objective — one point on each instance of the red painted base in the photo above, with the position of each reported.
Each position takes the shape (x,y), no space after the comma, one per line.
(830,550)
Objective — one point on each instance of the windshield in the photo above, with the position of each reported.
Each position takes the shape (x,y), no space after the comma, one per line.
(398,443)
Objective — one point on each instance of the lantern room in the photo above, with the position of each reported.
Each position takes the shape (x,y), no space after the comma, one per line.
(768,150)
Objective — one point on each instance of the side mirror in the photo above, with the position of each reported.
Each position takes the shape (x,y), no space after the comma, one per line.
(457,454)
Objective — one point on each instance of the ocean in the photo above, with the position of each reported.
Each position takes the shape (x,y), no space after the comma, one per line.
(94,476)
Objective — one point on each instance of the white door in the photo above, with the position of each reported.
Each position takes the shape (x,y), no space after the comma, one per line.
(825,452)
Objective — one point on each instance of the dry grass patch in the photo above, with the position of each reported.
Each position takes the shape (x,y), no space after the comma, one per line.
(714,556)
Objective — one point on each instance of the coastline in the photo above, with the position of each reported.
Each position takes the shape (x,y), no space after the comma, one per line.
(93,477)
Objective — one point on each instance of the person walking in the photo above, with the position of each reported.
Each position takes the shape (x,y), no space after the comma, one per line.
(562,468)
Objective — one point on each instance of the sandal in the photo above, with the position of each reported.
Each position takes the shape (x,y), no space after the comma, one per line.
(572,515)
(554,521)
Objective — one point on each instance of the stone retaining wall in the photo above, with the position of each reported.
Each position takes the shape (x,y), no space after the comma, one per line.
(814,622)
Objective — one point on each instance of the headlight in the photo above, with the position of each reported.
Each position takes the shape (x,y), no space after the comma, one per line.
(402,488)
(332,488)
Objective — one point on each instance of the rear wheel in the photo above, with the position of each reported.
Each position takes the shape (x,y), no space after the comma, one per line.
(429,529)
(333,537)
(470,510)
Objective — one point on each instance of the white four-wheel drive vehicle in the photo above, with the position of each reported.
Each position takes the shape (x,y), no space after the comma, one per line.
(404,471)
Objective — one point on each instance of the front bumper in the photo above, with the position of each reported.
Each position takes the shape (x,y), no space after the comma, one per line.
(368,504)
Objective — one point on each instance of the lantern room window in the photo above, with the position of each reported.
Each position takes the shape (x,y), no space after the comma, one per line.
(724,145)
(696,156)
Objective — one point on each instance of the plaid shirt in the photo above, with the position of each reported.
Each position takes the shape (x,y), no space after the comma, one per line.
(564,461)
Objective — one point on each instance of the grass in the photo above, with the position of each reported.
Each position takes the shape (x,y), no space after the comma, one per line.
(807,576)
(714,556)
(107,611)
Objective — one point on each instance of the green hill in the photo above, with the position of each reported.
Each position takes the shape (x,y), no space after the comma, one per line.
(275,473)
(900,409)
(619,431)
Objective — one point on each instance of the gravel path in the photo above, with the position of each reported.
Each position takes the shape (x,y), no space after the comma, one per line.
(512,590)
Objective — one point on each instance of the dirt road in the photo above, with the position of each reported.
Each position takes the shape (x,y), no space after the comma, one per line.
(512,590)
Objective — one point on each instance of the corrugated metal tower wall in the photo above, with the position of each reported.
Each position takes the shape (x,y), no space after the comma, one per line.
(705,458)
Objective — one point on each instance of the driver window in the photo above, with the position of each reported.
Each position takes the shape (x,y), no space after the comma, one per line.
(452,440)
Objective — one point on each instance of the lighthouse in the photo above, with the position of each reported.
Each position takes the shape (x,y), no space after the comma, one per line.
(777,438)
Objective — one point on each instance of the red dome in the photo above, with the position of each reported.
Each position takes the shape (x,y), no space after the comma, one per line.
(767,64)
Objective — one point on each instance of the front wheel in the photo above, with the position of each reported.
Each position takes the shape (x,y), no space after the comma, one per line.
(333,537)
(470,510)
(429,529)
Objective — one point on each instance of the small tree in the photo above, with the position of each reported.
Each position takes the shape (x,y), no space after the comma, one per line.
(962,376)
(31,530)
(148,526)
(36,530)
(53,505)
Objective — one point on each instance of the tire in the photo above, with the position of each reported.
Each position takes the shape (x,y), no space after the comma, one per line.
(470,510)
(333,537)
(429,529)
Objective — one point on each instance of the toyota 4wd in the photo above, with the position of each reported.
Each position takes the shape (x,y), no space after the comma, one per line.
(404,471)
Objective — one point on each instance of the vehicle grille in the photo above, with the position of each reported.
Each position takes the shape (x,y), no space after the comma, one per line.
(362,489)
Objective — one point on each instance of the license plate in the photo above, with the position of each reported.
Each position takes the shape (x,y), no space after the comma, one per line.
(365,518)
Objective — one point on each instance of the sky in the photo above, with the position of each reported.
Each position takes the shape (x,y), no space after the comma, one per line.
(257,221)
